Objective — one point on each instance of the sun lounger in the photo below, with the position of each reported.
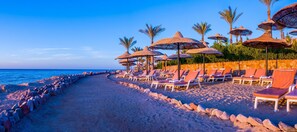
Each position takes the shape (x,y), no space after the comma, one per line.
(164,81)
(209,74)
(131,77)
(189,80)
(248,73)
(227,74)
(145,77)
(282,83)
(291,97)
(260,73)
(218,74)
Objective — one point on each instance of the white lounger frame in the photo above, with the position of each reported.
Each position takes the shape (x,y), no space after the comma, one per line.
(290,100)
(271,99)
(190,83)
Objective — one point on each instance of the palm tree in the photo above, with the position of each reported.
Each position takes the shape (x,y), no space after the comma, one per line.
(152,31)
(134,49)
(127,42)
(202,28)
(230,17)
(268,3)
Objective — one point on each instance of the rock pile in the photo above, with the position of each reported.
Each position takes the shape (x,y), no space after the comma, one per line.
(240,121)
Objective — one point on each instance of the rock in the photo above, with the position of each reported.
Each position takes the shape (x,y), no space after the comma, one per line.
(188,107)
(232,118)
(209,110)
(19,111)
(201,109)
(257,129)
(224,116)
(241,118)
(213,112)
(16,116)
(35,103)
(241,125)
(285,127)
(219,113)
(267,123)
(12,120)
(147,90)
(193,106)
(254,121)
(162,97)
(30,104)
(25,108)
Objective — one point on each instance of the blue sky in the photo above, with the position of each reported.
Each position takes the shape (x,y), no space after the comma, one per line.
(85,33)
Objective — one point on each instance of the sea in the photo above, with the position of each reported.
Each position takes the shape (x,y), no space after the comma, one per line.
(18,76)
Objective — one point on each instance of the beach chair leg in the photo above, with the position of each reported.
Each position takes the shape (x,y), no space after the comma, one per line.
(165,87)
(232,81)
(276,105)
(156,86)
(288,105)
(251,83)
(172,88)
(152,85)
(256,103)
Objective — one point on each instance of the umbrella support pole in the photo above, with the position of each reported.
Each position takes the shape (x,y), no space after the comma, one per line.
(178,62)
(266,62)
(128,65)
(147,65)
(204,63)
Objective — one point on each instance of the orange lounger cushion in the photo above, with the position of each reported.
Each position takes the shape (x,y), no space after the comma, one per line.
(292,95)
(271,93)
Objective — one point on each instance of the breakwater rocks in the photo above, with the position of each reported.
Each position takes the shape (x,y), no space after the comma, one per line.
(30,96)
(240,121)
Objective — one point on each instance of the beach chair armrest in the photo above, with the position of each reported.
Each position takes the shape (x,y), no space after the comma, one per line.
(269,86)
(262,77)
(252,76)
(292,87)
(242,76)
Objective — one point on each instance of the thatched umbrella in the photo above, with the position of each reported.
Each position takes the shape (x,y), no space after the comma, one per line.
(127,60)
(175,56)
(269,25)
(293,32)
(144,53)
(287,16)
(177,42)
(205,51)
(241,31)
(264,42)
(218,37)
(128,64)
(126,56)
(163,58)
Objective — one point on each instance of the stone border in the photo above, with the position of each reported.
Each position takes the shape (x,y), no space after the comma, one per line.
(34,98)
(240,121)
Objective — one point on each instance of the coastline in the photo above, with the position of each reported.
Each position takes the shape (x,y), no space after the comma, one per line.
(19,100)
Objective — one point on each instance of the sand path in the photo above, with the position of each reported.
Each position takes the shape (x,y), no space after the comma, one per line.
(98,104)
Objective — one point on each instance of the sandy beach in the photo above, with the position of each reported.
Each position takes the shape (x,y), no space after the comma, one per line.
(98,104)
(232,98)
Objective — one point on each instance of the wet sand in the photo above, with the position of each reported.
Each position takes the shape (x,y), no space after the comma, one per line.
(97,104)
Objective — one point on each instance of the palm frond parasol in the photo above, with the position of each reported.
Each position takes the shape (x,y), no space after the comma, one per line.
(264,42)
(177,42)
(287,16)
(205,51)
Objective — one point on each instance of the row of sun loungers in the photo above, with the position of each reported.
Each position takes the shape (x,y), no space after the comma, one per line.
(281,82)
